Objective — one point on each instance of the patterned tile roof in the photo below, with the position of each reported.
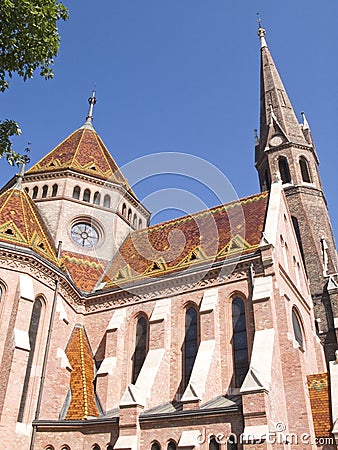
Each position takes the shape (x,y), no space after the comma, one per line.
(80,356)
(85,152)
(84,270)
(211,235)
(319,391)
(22,225)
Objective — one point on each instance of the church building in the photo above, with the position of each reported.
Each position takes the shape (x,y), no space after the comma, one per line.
(216,330)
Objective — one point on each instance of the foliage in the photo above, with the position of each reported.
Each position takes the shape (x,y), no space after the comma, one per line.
(29,40)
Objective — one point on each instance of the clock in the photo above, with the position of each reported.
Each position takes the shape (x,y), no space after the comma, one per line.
(276,140)
(84,235)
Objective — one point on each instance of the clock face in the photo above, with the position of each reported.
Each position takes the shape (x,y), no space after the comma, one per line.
(84,235)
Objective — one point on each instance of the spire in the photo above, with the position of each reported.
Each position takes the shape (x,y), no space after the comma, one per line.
(18,184)
(277,116)
(89,118)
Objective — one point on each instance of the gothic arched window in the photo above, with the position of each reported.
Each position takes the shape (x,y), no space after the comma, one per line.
(54,190)
(214,445)
(140,224)
(284,169)
(86,195)
(129,215)
(32,333)
(96,198)
(124,210)
(172,446)
(35,192)
(44,191)
(106,201)
(297,329)
(76,192)
(295,224)
(135,221)
(240,344)
(191,342)
(141,347)
(96,447)
(304,168)
(155,446)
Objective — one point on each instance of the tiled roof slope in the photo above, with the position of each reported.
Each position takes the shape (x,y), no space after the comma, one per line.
(84,270)
(319,391)
(22,225)
(211,235)
(80,357)
(85,152)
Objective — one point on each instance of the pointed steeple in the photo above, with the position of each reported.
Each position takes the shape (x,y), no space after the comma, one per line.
(89,119)
(278,121)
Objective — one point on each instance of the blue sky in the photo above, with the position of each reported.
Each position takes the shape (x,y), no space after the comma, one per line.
(183,76)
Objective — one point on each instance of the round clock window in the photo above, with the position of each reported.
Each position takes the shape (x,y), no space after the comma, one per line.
(84,235)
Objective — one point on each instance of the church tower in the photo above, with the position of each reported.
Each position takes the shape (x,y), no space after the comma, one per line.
(285,149)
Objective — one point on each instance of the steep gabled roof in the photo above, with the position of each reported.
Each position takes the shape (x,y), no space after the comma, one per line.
(85,152)
(22,225)
(202,238)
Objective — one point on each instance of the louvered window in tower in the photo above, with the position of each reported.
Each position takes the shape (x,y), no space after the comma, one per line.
(304,168)
(284,170)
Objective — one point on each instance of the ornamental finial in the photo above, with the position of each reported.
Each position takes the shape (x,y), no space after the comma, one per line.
(261,32)
(91,101)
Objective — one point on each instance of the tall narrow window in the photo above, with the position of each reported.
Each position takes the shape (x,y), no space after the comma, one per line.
(129,215)
(240,344)
(106,201)
(27,190)
(44,191)
(295,224)
(191,342)
(140,224)
(172,446)
(124,210)
(86,195)
(54,190)
(134,221)
(32,333)
(76,192)
(97,198)
(35,192)
(284,170)
(155,446)
(297,329)
(141,347)
(1,293)
(214,445)
(304,168)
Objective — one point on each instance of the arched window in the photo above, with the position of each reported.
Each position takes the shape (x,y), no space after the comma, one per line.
(106,201)
(304,168)
(27,190)
(141,347)
(50,447)
(140,224)
(134,221)
(35,192)
(97,198)
(124,210)
(44,191)
(239,338)
(1,293)
(297,329)
(172,446)
(191,342)
(284,170)
(214,445)
(76,192)
(155,446)
(65,447)
(96,447)
(86,195)
(129,215)
(54,190)
(32,333)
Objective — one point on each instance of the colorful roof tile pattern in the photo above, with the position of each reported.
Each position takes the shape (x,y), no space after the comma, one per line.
(212,235)
(22,225)
(319,391)
(84,270)
(85,152)
(80,357)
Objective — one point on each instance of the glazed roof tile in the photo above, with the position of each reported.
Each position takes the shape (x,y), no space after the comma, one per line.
(319,392)
(85,152)
(22,225)
(84,270)
(219,233)
(80,357)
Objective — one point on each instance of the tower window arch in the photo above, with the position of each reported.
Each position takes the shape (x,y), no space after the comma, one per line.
(86,195)
(284,170)
(297,329)
(155,446)
(191,342)
(172,446)
(76,192)
(106,201)
(124,210)
(141,346)
(97,198)
(44,191)
(304,168)
(240,342)
(140,224)
(54,190)
(96,447)
(32,333)
(35,192)
(129,215)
